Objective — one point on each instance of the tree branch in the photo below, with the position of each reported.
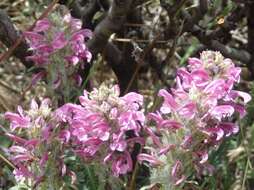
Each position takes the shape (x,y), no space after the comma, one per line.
(9,35)
(110,24)
(250,20)
(208,40)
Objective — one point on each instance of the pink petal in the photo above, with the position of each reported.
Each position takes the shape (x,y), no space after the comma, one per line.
(44,49)
(170,124)
(74,60)
(122,164)
(245,96)
(76,24)
(34,105)
(188,110)
(203,155)
(238,108)
(133,97)
(59,41)
(16,138)
(18,149)
(169,101)
(119,146)
(217,131)
(64,136)
(166,149)
(43,160)
(151,159)
(38,59)
(42,25)
(185,77)
(195,63)
(155,116)
(85,33)
(176,173)
(34,37)
(222,111)
(17,121)
(37,77)
(187,142)
(234,73)
(216,87)
(155,139)
(57,82)
(229,128)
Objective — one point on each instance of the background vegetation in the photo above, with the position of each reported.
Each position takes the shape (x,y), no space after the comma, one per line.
(140,44)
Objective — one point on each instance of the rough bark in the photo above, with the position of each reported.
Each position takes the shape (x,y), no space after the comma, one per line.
(9,35)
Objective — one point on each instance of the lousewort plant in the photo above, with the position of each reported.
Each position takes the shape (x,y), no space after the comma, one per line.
(37,150)
(195,117)
(58,45)
(104,130)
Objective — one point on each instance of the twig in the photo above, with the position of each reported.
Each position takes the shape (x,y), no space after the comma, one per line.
(8,87)
(133,177)
(140,62)
(211,43)
(7,161)
(3,103)
(245,173)
(128,40)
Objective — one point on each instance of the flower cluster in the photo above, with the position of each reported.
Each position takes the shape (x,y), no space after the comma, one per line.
(194,118)
(38,156)
(59,47)
(105,128)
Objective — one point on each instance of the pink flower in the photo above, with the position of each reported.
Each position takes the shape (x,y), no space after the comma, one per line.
(22,173)
(202,156)
(166,149)
(61,44)
(122,164)
(177,173)
(118,143)
(243,95)
(59,41)
(34,38)
(150,159)
(64,136)
(100,127)
(42,25)
(194,63)
(38,59)
(188,110)
(76,24)
(169,102)
(229,128)
(170,125)
(222,111)
(37,77)
(195,116)
(214,132)
(18,120)
(42,130)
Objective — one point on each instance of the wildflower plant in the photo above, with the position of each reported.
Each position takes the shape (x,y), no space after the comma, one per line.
(195,117)
(37,151)
(104,130)
(58,46)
